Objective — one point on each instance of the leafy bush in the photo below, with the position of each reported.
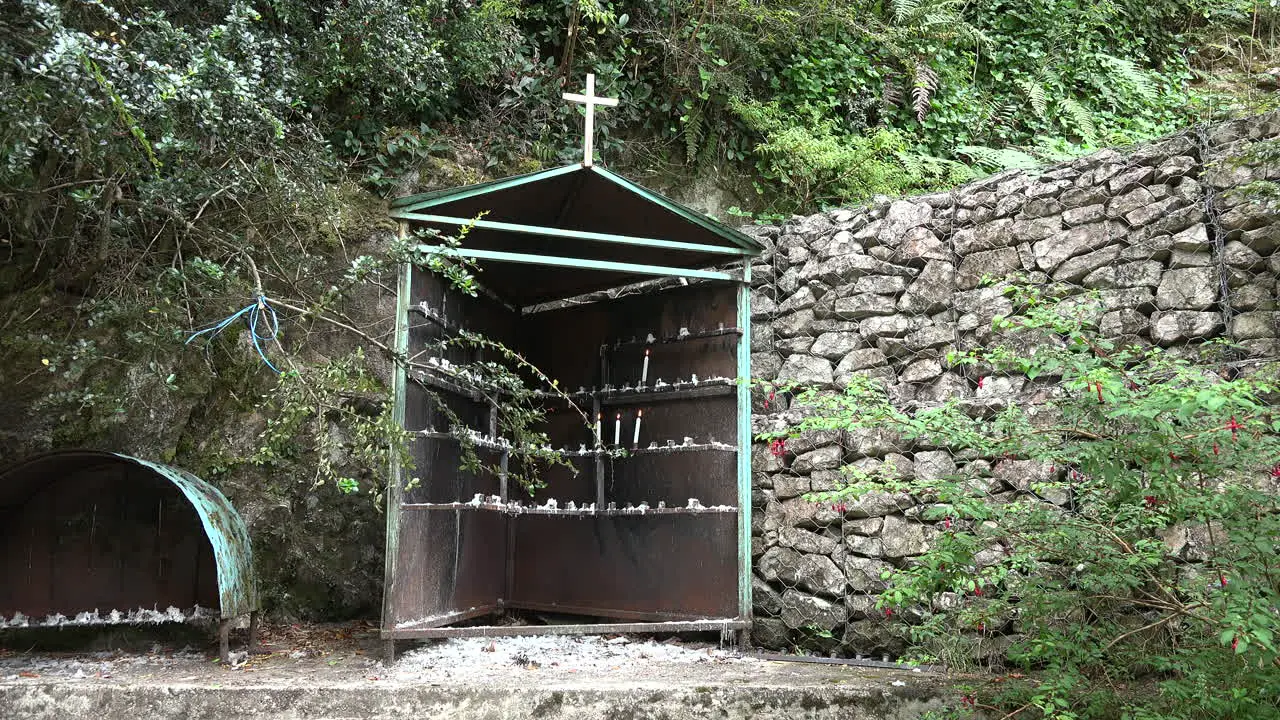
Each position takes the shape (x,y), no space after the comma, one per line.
(1133,573)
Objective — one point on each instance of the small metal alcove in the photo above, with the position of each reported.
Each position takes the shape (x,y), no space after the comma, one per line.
(90,537)
(653,539)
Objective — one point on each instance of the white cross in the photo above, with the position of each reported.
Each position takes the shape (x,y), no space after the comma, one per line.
(590,100)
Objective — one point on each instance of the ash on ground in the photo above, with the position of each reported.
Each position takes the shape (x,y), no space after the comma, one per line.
(95,665)
(467,658)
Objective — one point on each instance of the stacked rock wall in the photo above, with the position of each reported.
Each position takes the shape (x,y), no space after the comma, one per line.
(1177,254)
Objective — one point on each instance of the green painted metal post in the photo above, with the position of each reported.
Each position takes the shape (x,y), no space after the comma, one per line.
(744,448)
(394,494)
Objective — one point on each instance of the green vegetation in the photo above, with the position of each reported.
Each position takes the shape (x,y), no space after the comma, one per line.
(1138,454)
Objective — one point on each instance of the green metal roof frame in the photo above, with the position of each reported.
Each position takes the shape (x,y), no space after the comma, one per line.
(435,197)
(572,234)
(232,551)
(404,208)
(557,261)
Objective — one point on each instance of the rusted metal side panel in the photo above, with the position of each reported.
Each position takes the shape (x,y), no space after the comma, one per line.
(443,566)
(400,390)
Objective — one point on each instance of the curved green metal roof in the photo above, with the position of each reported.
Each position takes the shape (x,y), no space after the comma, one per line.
(232,550)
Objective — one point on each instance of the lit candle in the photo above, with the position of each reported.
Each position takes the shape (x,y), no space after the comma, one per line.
(644,372)
(635,439)
(598,417)
(617,429)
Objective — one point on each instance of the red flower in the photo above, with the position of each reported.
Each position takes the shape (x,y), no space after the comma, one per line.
(968,700)
(1233,426)
(769,400)
(1215,448)
(888,612)
(1222,579)
(1151,501)
(778,447)
(1099,392)
(980,382)
(1234,644)
(978,591)
(948,523)
(1275,471)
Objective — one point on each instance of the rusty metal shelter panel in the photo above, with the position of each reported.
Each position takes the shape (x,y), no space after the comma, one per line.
(91,537)
(644,527)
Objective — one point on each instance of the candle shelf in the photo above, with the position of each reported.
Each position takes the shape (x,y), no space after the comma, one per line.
(499,444)
(692,507)
(679,337)
(659,391)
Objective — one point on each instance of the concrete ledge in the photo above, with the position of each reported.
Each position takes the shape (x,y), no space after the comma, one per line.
(335,672)
(859,701)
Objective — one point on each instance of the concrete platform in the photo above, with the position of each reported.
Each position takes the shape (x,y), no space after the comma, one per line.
(334,678)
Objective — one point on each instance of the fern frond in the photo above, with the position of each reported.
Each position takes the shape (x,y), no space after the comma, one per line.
(1082,118)
(910,162)
(1036,95)
(1128,72)
(996,159)
(891,93)
(692,134)
(904,9)
(926,81)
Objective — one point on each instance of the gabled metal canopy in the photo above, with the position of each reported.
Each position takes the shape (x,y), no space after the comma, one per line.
(571,219)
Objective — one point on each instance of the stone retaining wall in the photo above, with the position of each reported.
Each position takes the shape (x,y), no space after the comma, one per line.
(886,291)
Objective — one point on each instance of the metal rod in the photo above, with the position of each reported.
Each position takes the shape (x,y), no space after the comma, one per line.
(591,629)
(859,662)
(570,234)
(709,511)
(582,263)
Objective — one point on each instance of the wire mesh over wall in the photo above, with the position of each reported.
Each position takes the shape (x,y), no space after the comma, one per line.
(1176,253)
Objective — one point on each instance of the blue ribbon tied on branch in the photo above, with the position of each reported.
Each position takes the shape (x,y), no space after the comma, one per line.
(258,313)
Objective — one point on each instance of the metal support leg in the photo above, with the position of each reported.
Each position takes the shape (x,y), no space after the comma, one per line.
(224,640)
(389,652)
(254,624)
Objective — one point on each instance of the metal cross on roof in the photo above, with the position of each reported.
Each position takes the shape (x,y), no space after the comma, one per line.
(590,100)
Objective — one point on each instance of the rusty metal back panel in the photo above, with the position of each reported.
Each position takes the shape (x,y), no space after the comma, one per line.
(566,343)
(659,567)
(83,531)
(669,567)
